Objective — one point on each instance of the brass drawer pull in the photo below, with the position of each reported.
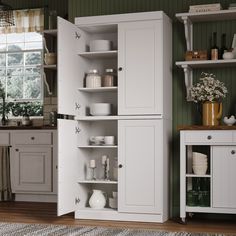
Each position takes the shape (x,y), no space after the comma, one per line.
(209,137)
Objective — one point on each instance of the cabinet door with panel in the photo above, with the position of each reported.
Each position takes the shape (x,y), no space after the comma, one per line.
(31,169)
(224,176)
(140,73)
(140,166)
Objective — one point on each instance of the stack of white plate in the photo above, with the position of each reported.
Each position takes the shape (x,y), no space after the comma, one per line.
(200,164)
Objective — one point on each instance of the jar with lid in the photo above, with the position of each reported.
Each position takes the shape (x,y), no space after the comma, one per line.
(93,79)
(110,78)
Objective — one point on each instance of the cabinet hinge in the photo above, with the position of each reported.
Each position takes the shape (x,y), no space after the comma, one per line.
(77,200)
(77,35)
(77,106)
(77,130)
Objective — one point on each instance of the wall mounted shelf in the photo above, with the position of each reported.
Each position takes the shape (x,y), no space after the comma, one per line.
(188,19)
(97,182)
(94,147)
(98,90)
(102,54)
(52,32)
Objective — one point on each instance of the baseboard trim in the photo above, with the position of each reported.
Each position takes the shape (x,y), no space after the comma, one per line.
(35,197)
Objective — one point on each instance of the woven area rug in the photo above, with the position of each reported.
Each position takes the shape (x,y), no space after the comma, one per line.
(15,229)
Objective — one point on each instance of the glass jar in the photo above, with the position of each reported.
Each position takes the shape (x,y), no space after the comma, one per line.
(110,78)
(93,79)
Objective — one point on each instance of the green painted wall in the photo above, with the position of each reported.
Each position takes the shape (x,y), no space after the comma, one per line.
(183,112)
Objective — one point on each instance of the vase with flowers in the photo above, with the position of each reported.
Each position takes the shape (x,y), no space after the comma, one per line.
(210,93)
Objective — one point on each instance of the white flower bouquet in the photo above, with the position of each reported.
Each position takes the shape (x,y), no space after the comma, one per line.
(208,89)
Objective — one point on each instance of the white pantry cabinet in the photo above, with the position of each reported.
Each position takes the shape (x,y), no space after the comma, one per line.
(140,120)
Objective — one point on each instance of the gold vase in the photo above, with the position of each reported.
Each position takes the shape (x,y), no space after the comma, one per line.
(211,113)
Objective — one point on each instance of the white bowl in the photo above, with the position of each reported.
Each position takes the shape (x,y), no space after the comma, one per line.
(100,45)
(113,203)
(199,170)
(100,109)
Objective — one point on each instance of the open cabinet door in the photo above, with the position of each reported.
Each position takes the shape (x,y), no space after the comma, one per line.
(68,191)
(69,37)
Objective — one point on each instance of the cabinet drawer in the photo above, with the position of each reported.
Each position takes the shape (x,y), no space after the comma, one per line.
(209,137)
(4,138)
(32,138)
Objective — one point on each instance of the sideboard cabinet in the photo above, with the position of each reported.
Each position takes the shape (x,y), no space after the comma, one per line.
(217,184)
(140,120)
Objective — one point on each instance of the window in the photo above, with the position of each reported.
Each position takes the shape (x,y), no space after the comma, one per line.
(21,71)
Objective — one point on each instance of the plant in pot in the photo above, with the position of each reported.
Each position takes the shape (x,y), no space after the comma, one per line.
(209,92)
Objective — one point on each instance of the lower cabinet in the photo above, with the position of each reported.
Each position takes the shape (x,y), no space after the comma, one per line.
(31,169)
(140,166)
(224,176)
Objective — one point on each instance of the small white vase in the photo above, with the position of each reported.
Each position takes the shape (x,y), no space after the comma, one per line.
(97,200)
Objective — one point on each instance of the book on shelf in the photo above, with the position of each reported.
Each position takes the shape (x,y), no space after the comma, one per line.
(205,8)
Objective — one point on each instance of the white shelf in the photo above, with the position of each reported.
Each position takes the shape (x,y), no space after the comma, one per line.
(52,67)
(95,118)
(208,16)
(100,54)
(100,146)
(198,176)
(101,118)
(98,210)
(96,182)
(206,63)
(98,90)
(52,32)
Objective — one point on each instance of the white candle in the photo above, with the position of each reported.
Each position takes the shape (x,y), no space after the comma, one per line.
(104,158)
(92,164)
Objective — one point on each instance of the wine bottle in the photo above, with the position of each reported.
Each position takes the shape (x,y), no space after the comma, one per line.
(223,46)
(214,48)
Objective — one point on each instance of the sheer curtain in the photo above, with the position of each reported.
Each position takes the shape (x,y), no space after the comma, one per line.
(30,20)
(5,181)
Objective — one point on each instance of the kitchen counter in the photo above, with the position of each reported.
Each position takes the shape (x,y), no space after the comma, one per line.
(21,127)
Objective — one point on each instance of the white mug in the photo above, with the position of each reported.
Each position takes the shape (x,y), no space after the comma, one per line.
(109,140)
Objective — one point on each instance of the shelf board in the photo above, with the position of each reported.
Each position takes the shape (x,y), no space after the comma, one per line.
(98,90)
(99,54)
(98,210)
(52,32)
(208,16)
(96,182)
(51,67)
(95,118)
(198,209)
(198,176)
(206,63)
(100,146)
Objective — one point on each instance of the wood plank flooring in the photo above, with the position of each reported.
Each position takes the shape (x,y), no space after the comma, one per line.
(45,213)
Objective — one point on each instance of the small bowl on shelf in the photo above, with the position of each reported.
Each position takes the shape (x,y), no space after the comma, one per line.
(100,109)
(113,203)
(100,45)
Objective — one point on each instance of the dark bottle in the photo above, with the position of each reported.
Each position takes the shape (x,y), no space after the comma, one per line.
(214,48)
(223,47)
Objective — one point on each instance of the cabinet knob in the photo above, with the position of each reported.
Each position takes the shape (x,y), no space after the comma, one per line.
(120,69)
(120,165)
(209,137)
(233,152)
(17,150)
(32,138)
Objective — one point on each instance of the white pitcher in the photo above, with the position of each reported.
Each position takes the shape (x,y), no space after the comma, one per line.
(97,200)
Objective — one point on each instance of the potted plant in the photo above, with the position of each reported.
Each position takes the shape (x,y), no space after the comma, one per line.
(210,93)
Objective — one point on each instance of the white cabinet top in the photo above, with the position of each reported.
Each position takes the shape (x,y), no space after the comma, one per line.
(114,19)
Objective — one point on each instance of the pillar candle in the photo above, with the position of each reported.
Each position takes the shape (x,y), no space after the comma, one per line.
(92,164)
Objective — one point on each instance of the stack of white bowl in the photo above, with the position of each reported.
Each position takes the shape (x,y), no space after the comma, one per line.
(200,164)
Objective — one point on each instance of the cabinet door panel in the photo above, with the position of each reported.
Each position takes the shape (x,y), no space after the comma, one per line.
(140,57)
(67,166)
(31,169)
(140,178)
(70,68)
(224,176)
